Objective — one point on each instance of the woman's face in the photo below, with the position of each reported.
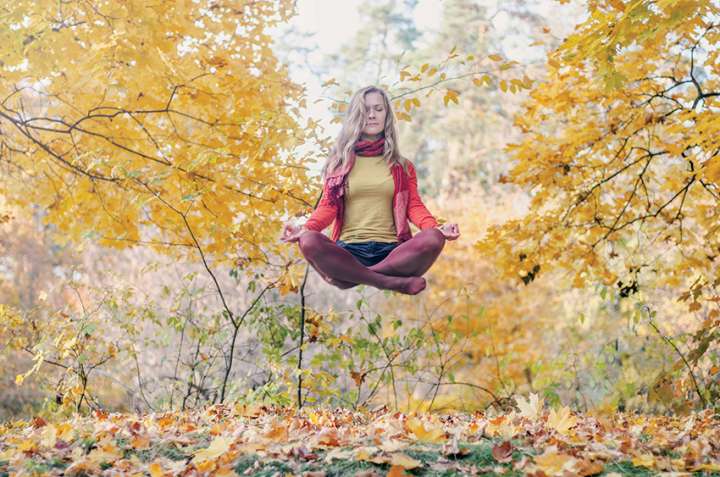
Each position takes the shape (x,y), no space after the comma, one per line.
(375,113)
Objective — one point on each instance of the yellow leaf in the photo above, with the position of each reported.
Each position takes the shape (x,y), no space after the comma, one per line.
(403,116)
(450,95)
(502,427)
(365,452)
(156,470)
(404,461)
(553,463)
(140,442)
(424,67)
(424,431)
(561,420)
(495,57)
(644,460)
(503,85)
(49,436)
(217,447)
(26,445)
(529,407)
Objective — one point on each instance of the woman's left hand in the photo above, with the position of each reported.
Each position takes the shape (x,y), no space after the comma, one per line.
(450,231)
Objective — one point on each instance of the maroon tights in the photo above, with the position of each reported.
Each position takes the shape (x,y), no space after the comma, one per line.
(401,270)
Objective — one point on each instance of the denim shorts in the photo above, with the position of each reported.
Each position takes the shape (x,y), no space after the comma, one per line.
(368,253)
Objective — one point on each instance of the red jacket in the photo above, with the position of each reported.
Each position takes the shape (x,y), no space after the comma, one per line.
(406,205)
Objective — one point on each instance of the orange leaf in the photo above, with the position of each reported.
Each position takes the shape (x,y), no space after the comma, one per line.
(396,471)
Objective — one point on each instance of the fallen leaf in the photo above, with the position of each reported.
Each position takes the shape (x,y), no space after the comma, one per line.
(279,432)
(396,471)
(553,463)
(501,426)
(217,447)
(530,407)
(503,452)
(38,422)
(328,437)
(453,449)
(393,445)
(425,432)
(155,470)
(644,460)
(340,454)
(364,452)
(561,420)
(585,468)
(404,460)
(48,438)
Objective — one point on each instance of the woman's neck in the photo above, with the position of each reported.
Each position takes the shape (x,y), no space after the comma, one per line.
(370,137)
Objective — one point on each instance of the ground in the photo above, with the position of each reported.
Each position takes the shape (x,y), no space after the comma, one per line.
(264,441)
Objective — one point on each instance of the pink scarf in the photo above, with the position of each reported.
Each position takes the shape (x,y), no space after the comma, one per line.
(336,181)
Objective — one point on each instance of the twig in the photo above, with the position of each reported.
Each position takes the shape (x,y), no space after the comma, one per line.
(677,350)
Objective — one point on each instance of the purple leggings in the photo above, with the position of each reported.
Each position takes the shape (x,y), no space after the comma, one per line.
(401,270)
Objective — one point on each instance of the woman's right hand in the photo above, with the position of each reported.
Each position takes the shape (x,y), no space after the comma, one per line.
(291,233)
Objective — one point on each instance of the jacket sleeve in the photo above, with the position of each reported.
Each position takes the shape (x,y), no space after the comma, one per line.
(417,212)
(323,215)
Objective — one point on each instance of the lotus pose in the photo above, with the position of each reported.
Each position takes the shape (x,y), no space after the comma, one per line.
(370,192)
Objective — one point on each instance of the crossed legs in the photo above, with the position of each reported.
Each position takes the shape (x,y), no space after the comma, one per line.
(401,270)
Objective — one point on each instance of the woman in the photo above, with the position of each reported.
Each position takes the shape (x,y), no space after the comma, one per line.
(370,191)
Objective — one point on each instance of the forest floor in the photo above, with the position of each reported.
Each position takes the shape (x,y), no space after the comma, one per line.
(263,441)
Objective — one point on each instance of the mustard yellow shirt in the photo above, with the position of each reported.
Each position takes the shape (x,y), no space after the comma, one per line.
(368,203)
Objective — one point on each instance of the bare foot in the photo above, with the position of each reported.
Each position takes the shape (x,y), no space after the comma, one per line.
(408,285)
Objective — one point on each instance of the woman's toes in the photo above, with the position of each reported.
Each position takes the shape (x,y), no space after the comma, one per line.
(411,285)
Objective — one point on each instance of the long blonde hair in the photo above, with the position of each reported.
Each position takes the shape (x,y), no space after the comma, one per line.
(354,123)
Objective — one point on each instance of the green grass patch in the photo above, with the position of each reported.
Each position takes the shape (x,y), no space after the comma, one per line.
(480,456)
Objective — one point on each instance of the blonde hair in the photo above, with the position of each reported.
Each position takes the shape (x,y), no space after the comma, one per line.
(354,123)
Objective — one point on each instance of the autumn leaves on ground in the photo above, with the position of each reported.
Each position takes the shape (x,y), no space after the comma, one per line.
(241,440)
(152,322)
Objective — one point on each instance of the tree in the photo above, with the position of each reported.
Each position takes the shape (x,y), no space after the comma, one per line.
(620,156)
(170,125)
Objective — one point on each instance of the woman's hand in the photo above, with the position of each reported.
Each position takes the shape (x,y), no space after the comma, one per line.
(450,231)
(291,233)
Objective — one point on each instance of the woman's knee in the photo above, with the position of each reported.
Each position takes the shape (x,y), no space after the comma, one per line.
(310,242)
(433,240)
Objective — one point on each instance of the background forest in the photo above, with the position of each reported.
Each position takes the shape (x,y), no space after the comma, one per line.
(149,159)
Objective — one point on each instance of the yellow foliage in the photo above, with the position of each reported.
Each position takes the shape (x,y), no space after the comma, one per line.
(157,143)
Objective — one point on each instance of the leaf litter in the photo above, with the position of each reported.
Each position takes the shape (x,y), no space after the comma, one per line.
(261,440)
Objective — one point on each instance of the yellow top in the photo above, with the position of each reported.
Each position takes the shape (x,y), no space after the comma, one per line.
(368,203)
